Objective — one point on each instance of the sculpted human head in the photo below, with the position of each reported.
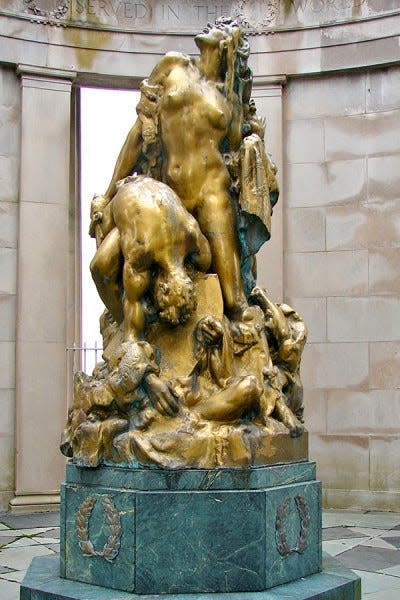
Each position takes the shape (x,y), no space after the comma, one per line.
(221,34)
(174,297)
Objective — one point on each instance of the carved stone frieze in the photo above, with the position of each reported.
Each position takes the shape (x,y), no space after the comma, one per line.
(49,12)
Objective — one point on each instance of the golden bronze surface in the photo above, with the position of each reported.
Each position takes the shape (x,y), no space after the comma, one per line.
(200,368)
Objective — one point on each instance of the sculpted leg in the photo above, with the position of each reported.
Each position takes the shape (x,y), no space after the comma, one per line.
(231,403)
(135,286)
(106,267)
(286,416)
(202,256)
(217,222)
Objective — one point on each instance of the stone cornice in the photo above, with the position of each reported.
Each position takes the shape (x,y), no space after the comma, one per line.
(113,55)
(45,72)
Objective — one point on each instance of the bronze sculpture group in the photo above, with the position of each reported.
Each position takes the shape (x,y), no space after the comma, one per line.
(201,368)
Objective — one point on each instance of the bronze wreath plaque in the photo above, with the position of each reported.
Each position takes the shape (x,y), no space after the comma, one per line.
(111,547)
(282,544)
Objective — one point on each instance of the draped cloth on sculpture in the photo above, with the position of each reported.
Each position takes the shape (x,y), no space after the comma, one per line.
(258,193)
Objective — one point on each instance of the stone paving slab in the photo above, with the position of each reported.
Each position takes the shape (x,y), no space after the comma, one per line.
(50,519)
(336,547)
(367,558)
(393,541)
(371,519)
(377,582)
(340,533)
(5,540)
(50,533)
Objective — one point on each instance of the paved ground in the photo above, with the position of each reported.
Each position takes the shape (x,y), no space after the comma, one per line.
(368,543)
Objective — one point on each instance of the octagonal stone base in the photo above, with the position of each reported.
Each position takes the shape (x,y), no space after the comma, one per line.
(334,582)
(157,531)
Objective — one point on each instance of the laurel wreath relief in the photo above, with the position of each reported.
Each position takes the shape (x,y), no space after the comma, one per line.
(282,544)
(58,13)
(112,545)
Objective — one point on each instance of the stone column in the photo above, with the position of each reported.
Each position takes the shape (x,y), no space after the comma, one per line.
(267,93)
(44,284)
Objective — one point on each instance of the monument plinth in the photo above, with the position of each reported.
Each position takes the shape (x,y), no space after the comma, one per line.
(189,472)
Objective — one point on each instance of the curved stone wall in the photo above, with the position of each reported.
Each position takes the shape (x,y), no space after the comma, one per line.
(326,78)
(115,38)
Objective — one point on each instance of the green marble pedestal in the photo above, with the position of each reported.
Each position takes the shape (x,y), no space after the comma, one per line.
(221,534)
(158,531)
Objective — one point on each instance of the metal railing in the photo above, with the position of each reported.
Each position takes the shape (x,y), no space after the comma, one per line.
(83,358)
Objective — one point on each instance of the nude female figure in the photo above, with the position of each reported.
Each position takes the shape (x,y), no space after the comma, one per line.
(189,111)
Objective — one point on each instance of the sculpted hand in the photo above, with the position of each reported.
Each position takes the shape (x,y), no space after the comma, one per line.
(96,213)
(162,397)
(209,332)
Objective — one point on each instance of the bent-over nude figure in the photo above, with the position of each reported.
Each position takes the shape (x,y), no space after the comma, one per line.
(158,237)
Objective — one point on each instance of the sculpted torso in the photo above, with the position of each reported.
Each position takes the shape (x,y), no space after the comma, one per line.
(196,108)
(154,226)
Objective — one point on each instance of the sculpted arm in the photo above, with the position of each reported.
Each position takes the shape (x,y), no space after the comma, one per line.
(127,158)
(275,318)
(133,145)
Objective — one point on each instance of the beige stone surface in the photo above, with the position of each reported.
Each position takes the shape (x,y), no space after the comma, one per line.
(315,410)
(8,86)
(41,411)
(358,499)
(358,412)
(8,270)
(42,272)
(337,456)
(384,365)
(9,118)
(383,271)
(385,472)
(370,225)
(304,229)
(47,142)
(337,46)
(44,247)
(7,362)
(313,274)
(8,224)
(373,319)
(325,183)
(327,365)
(384,177)
(383,89)
(313,312)
(355,136)
(5,498)
(7,412)
(325,96)
(9,161)
(188,17)
(304,141)
(7,462)
(9,178)
(7,317)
